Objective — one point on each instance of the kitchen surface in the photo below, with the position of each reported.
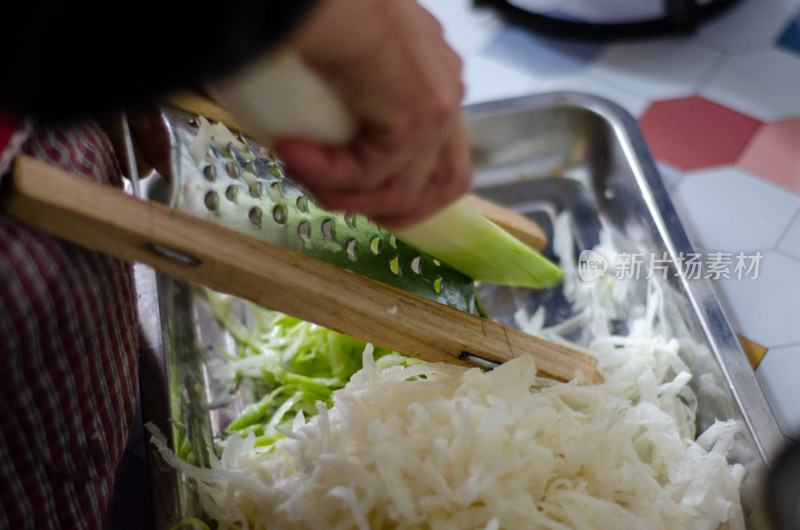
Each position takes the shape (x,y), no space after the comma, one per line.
(720,110)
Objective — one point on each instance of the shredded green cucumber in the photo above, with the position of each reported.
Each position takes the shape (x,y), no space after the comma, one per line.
(287,364)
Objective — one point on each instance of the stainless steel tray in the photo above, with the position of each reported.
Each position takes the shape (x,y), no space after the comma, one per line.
(522,147)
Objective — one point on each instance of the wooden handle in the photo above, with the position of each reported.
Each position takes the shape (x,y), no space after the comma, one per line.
(517,225)
(105,219)
(194,103)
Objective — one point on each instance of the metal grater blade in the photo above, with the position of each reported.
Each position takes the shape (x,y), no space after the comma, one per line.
(239,185)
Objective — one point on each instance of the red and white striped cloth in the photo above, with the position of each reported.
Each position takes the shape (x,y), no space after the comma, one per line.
(68,352)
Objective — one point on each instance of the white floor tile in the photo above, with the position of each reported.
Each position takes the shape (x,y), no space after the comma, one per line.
(779,375)
(468,30)
(764,85)
(751,25)
(730,210)
(487,80)
(580,83)
(766,309)
(669,175)
(661,69)
(789,243)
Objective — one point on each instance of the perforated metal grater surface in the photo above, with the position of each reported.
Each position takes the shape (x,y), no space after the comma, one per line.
(242,187)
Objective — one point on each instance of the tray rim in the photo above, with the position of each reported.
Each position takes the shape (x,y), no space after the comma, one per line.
(728,352)
(747,394)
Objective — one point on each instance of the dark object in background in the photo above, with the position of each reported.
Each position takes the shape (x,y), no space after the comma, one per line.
(681,17)
(783,489)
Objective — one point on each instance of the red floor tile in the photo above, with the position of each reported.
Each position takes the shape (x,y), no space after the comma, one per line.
(774,153)
(694,133)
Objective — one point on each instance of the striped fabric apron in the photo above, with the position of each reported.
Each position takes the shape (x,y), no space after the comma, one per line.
(68,351)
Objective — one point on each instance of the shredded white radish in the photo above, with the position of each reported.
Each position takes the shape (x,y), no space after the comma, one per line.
(442,447)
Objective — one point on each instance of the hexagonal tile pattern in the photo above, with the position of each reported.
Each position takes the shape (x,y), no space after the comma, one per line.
(467,29)
(725,209)
(675,128)
(580,83)
(774,153)
(789,243)
(789,40)
(777,375)
(765,309)
(540,56)
(763,85)
(756,23)
(669,175)
(658,69)
(488,80)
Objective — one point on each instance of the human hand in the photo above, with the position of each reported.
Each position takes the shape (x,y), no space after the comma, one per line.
(393,71)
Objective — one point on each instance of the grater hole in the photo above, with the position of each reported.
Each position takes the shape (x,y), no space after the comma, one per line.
(250,167)
(231,192)
(394,265)
(280,214)
(275,170)
(232,169)
(393,241)
(211,201)
(255,216)
(275,192)
(351,250)
(437,262)
(350,219)
(416,264)
(375,245)
(302,203)
(210,173)
(304,231)
(437,285)
(327,228)
(253,188)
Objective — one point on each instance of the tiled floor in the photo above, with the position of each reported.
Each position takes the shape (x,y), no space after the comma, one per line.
(721,112)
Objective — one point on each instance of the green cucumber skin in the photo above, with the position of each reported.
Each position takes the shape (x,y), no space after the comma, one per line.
(464,239)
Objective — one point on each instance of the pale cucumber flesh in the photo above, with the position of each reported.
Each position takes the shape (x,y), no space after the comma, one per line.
(464,239)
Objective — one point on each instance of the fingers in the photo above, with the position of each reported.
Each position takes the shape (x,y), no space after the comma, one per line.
(451,179)
(401,82)
(358,167)
(409,196)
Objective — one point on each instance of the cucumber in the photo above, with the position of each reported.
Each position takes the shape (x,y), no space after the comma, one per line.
(279,96)
(461,237)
